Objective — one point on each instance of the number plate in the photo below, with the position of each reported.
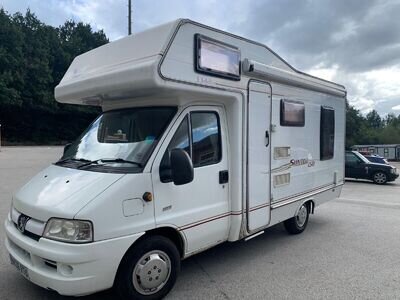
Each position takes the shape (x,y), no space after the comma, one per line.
(21,268)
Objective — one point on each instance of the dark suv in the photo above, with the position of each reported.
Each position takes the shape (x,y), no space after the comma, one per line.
(357,166)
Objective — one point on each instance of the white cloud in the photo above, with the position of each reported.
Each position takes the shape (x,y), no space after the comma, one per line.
(324,73)
(397,107)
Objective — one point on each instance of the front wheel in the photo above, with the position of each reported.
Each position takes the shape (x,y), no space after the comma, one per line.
(149,269)
(299,222)
(380,178)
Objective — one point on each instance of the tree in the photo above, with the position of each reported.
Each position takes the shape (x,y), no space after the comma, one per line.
(355,125)
(374,120)
(33,60)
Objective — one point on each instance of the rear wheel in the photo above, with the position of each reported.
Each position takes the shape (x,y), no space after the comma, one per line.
(149,270)
(380,178)
(299,222)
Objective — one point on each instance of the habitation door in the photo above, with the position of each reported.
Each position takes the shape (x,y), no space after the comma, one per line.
(258,155)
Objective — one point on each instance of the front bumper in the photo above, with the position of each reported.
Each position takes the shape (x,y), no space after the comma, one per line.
(69,269)
(393,177)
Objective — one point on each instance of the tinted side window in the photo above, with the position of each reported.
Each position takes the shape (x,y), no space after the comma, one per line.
(327,133)
(181,141)
(351,158)
(206,138)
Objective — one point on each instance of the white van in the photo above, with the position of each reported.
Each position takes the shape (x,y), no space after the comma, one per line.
(205,137)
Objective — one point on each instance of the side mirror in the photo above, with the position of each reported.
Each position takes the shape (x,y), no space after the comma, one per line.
(66,147)
(181,167)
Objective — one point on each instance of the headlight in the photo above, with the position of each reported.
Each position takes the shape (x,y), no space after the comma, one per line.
(393,171)
(72,231)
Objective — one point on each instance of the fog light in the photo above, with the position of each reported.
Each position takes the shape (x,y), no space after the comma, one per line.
(65,269)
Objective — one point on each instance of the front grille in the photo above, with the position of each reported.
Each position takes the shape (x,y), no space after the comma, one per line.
(33,228)
(29,234)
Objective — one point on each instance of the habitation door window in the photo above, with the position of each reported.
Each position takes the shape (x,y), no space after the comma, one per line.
(292,113)
(327,133)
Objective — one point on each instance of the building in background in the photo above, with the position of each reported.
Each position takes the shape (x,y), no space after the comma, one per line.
(389,151)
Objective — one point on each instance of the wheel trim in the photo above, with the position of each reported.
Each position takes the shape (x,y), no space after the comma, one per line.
(380,178)
(151,272)
(301,216)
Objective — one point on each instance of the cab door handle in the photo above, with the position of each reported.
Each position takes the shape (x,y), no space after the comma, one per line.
(223,176)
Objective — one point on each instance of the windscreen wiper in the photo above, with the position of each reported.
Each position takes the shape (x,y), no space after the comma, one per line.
(111,160)
(72,159)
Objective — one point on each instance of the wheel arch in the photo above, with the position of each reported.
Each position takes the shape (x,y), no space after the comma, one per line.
(170,233)
(310,204)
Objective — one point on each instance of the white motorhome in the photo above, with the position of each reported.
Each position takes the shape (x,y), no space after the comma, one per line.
(205,137)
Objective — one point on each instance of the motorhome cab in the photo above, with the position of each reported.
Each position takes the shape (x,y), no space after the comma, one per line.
(205,137)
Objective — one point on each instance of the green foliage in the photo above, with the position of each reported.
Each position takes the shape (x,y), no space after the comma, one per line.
(371,129)
(33,60)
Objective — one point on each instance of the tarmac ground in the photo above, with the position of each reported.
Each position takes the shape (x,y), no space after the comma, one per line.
(349,250)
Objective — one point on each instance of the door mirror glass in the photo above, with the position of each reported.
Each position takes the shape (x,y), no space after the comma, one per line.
(181,167)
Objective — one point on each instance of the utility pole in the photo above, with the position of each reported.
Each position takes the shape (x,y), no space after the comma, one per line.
(129,17)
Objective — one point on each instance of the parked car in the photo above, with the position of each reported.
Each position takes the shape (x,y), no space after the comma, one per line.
(357,166)
(376,159)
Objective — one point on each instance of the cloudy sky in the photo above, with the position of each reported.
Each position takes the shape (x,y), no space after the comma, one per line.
(352,42)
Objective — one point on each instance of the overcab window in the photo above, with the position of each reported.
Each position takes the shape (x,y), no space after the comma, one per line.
(327,133)
(216,58)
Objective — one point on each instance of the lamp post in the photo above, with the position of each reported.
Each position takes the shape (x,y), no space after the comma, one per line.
(129,17)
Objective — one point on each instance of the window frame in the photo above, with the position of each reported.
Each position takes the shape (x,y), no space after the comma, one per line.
(326,108)
(286,123)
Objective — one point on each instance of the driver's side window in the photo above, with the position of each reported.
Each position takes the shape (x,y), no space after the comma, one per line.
(199,135)
(181,141)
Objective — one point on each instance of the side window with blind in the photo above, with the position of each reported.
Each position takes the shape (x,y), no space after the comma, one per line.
(327,133)
(201,140)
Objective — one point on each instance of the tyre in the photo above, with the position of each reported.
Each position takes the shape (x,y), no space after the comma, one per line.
(148,270)
(299,222)
(380,178)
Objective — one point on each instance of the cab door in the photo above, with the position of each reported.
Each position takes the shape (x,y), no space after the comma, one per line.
(259,156)
(199,209)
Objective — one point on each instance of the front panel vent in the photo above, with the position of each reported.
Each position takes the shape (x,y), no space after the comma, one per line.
(282,179)
(281,152)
